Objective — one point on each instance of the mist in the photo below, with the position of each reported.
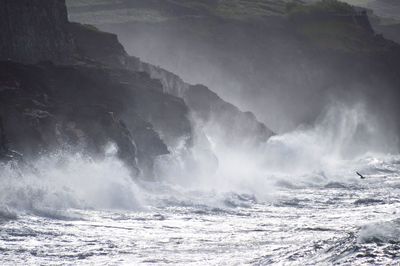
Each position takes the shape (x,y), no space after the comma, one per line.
(279,77)
(333,146)
(198,132)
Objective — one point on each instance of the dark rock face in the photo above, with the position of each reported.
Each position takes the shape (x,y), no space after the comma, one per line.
(168,114)
(391,32)
(224,120)
(33,30)
(212,115)
(41,114)
(86,105)
(96,45)
(286,66)
(170,119)
(67,86)
(171,83)
(3,139)
(47,107)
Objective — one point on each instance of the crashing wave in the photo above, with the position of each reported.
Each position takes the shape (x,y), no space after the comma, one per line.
(63,181)
(381,232)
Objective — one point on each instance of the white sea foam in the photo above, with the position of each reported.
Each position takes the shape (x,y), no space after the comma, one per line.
(332,150)
(61,181)
(195,216)
(321,154)
(380,232)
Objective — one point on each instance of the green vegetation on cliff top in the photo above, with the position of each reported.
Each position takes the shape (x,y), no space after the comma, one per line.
(160,10)
(322,7)
(329,24)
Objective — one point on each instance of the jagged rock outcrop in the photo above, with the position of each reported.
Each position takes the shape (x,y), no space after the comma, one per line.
(213,116)
(4,150)
(97,46)
(171,83)
(224,121)
(89,101)
(72,87)
(283,62)
(391,32)
(168,114)
(172,127)
(47,107)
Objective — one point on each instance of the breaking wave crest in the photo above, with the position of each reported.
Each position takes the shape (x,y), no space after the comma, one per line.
(345,139)
(381,232)
(325,155)
(63,181)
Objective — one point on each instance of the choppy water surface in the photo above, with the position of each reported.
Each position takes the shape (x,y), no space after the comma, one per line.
(319,218)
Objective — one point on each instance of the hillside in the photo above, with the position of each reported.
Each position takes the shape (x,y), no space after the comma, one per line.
(75,89)
(269,57)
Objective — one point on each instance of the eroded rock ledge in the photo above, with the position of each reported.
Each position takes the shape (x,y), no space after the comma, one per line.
(69,86)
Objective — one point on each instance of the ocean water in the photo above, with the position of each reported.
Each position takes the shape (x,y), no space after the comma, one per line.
(296,201)
(108,219)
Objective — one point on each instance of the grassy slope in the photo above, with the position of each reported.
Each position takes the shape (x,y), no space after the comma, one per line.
(334,25)
(314,21)
(155,10)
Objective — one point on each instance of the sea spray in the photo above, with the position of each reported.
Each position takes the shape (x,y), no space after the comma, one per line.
(324,152)
(61,181)
(318,154)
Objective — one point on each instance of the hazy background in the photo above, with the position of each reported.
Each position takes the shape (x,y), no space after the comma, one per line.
(289,73)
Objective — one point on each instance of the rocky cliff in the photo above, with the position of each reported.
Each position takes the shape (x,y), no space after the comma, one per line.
(87,103)
(70,87)
(33,31)
(107,50)
(285,62)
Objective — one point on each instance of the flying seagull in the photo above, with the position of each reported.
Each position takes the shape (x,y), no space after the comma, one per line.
(360,175)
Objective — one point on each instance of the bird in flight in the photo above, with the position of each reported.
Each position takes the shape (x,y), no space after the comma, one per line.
(360,175)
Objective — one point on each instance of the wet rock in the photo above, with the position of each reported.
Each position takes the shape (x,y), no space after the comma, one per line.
(224,120)
(172,122)
(166,113)
(97,46)
(87,92)
(272,59)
